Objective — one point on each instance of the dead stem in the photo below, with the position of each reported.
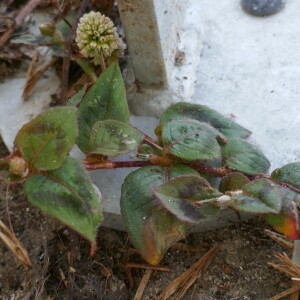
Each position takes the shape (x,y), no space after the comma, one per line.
(286,265)
(68,53)
(286,293)
(103,64)
(129,265)
(182,283)
(33,75)
(14,245)
(278,238)
(23,13)
(143,284)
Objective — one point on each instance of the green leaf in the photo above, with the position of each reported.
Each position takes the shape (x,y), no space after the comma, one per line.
(289,174)
(152,228)
(289,195)
(68,195)
(144,151)
(112,138)
(233,182)
(244,157)
(181,197)
(106,99)
(76,98)
(29,39)
(47,139)
(63,26)
(191,140)
(205,114)
(259,196)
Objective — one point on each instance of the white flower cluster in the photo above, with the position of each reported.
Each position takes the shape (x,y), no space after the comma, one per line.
(97,36)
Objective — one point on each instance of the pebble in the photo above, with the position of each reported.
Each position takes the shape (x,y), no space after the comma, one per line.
(262,8)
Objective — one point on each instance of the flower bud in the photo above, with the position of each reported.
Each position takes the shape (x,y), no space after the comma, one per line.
(17,165)
(48,29)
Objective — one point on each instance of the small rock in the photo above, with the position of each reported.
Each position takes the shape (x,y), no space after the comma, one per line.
(262,8)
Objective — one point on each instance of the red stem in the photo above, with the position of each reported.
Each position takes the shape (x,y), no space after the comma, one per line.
(286,185)
(108,165)
(216,172)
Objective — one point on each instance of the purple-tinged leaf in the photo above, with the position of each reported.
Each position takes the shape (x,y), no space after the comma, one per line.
(182,197)
(260,196)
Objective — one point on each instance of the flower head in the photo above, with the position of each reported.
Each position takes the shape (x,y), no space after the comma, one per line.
(97,37)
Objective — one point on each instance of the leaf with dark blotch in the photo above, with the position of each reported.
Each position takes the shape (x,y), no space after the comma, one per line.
(205,114)
(106,99)
(47,139)
(233,182)
(259,196)
(289,174)
(112,138)
(181,197)
(191,140)
(244,157)
(68,195)
(151,228)
(289,195)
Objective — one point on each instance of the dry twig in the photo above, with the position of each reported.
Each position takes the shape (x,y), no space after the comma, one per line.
(14,245)
(286,293)
(287,266)
(278,238)
(34,73)
(188,248)
(25,10)
(130,265)
(182,283)
(143,284)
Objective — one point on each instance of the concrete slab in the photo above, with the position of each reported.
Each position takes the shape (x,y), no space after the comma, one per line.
(250,68)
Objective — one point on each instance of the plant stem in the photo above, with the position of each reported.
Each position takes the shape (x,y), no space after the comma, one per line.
(68,53)
(148,140)
(216,172)
(103,64)
(87,68)
(286,185)
(108,164)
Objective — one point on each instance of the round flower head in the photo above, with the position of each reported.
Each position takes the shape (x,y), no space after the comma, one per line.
(97,37)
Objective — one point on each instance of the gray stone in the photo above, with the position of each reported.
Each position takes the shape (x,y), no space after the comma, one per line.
(262,8)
